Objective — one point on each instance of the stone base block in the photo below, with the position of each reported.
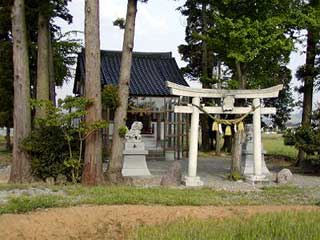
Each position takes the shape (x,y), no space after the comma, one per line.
(193,181)
(135,165)
(258,178)
(247,165)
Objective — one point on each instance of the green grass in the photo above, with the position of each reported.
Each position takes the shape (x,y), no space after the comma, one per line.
(115,195)
(285,225)
(273,144)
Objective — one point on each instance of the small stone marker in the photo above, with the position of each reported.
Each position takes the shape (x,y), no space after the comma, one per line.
(50,180)
(284,176)
(61,179)
(173,176)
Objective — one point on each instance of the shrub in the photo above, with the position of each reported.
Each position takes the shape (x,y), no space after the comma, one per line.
(49,151)
(289,138)
(308,139)
(59,136)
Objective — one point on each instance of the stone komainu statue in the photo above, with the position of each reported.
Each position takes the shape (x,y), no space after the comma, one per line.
(134,134)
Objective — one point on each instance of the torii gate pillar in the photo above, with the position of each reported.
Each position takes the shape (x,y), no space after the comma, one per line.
(192,179)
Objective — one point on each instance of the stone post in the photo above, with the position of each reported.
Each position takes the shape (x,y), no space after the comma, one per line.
(192,179)
(257,138)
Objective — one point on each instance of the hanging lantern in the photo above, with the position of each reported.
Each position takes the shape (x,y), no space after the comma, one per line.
(240,126)
(215,126)
(228,131)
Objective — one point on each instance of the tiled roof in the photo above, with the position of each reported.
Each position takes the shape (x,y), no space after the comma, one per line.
(149,72)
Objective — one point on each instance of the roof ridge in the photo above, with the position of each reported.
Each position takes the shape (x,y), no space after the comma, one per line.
(141,54)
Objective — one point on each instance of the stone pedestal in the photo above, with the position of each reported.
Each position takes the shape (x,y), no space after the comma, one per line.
(134,155)
(134,163)
(248,163)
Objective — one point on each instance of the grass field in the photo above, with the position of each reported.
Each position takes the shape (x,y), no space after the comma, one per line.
(273,145)
(288,225)
(115,195)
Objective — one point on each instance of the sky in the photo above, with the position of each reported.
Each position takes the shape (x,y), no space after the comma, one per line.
(159,28)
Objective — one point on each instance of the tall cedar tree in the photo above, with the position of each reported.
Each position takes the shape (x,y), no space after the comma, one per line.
(43,75)
(309,75)
(116,161)
(92,172)
(20,168)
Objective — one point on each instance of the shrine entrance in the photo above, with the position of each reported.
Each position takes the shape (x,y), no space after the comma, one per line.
(227,107)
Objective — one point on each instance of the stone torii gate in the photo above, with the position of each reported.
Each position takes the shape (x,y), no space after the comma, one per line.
(227,107)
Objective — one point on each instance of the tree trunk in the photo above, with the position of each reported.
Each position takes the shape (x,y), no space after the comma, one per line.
(308,85)
(52,82)
(236,152)
(42,63)
(92,172)
(116,161)
(241,76)
(238,136)
(8,139)
(205,138)
(20,168)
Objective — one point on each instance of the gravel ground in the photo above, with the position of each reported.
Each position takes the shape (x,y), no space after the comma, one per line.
(214,171)
(5,195)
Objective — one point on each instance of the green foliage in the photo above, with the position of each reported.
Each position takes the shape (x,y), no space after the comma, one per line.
(251,39)
(49,151)
(110,97)
(65,46)
(289,138)
(65,49)
(307,138)
(285,225)
(72,131)
(122,131)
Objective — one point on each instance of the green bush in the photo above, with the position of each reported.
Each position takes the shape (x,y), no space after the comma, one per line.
(57,142)
(307,139)
(289,138)
(49,151)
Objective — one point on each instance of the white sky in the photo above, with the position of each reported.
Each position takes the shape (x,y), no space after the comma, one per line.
(159,28)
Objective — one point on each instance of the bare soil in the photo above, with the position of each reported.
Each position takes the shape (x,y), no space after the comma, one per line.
(114,222)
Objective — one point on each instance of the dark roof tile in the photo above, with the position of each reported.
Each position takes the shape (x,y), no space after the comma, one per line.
(149,72)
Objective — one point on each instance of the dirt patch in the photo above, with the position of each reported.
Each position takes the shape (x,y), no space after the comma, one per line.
(113,222)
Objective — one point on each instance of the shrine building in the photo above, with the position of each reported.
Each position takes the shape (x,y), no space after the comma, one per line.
(150,100)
